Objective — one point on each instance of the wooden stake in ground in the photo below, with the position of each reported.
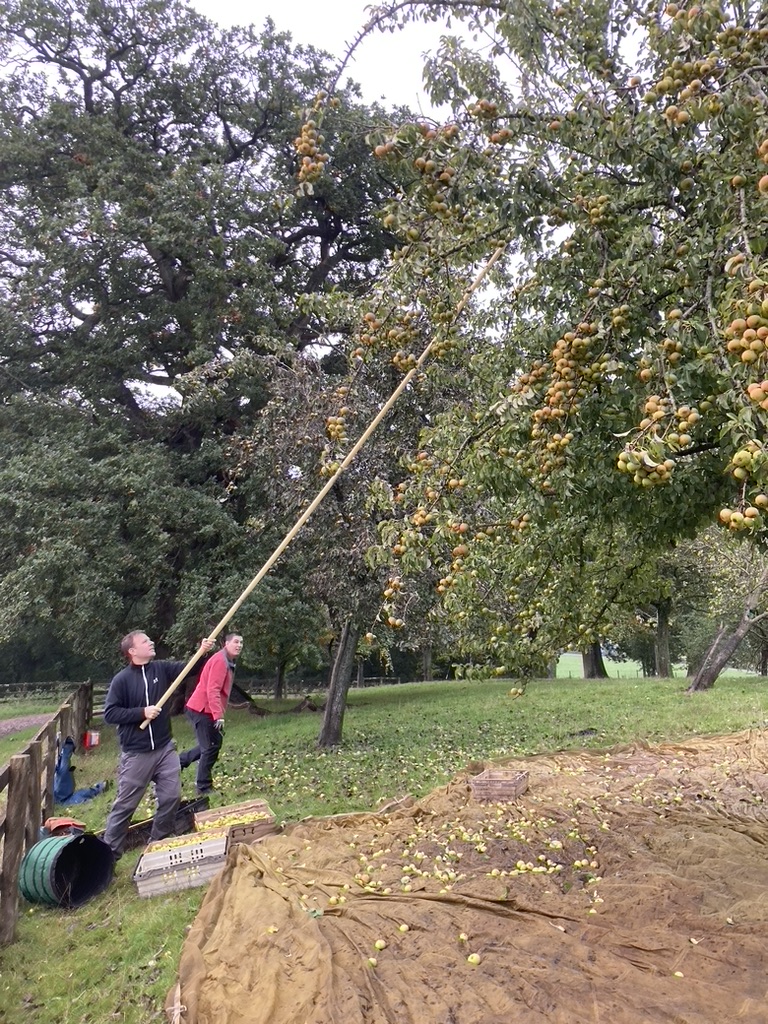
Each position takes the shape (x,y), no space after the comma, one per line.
(324,491)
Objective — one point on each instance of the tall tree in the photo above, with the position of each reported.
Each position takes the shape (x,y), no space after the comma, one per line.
(619,153)
(165,233)
(301,436)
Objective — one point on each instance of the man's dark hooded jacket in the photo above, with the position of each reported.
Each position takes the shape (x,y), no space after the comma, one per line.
(133,689)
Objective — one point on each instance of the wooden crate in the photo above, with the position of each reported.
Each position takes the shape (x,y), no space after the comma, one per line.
(245,822)
(181,862)
(499,784)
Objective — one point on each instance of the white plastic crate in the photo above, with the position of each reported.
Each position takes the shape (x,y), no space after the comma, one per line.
(186,865)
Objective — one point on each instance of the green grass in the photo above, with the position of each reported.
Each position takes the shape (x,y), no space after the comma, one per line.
(13,744)
(30,706)
(114,959)
(570,666)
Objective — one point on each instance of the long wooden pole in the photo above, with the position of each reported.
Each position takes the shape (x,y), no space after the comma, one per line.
(324,490)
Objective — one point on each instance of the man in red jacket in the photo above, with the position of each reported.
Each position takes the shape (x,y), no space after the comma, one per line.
(205,709)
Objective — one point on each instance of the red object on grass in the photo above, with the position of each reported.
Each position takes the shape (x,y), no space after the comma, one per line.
(91,739)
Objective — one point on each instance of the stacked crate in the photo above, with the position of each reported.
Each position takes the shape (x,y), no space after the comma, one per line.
(246,822)
(182,862)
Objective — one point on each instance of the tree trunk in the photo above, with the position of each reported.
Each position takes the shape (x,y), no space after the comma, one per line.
(592,660)
(764,660)
(278,690)
(661,644)
(648,661)
(341,678)
(360,673)
(725,646)
(718,656)
(426,663)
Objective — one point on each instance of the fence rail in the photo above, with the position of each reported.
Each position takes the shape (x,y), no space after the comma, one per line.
(10,691)
(27,784)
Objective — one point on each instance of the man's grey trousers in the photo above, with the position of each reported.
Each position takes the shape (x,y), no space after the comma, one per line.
(134,774)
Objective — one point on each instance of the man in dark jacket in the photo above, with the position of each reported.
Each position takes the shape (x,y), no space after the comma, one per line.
(146,755)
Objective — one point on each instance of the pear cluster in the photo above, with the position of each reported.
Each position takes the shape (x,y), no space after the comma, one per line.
(643,469)
(748,517)
(391,593)
(308,149)
(574,365)
(336,427)
(748,336)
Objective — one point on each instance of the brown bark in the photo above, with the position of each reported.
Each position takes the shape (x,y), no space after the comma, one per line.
(341,678)
(305,704)
(718,656)
(592,661)
(254,709)
(426,663)
(278,690)
(726,644)
(661,643)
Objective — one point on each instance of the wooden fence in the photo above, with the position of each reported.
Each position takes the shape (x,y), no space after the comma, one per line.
(26,782)
(377,681)
(48,690)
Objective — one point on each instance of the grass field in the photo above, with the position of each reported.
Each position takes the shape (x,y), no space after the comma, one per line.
(569,666)
(16,709)
(114,958)
(10,745)
(29,706)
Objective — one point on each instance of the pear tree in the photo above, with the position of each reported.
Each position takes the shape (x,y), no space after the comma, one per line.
(614,374)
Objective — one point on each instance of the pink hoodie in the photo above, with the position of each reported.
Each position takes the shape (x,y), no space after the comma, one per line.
(211,694)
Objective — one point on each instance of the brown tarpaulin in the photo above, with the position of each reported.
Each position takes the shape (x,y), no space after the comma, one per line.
(625,887)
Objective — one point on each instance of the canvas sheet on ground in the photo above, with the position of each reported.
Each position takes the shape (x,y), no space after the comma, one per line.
(657,912)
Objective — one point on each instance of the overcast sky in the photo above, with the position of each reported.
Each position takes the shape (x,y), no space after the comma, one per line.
(387,67)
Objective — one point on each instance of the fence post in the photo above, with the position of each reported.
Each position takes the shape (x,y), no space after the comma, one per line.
(13,846)
(78,718)
(65,722)
(35,795)
(48,770)
(83,714)
(88,702)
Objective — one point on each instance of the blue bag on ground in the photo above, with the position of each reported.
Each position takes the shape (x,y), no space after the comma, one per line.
(64,791)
